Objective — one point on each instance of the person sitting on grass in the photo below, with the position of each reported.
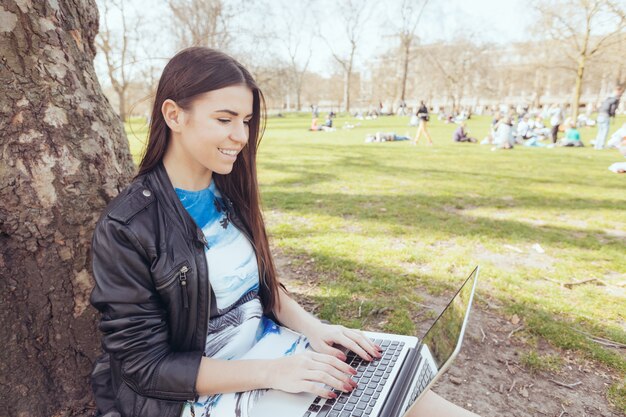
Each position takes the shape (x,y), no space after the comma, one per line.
(504,134)
(617,138)
(194,319)
(460,135)
(539,130)
(329,120)
(620,167)
(314,126)
(524,129)
(572,136)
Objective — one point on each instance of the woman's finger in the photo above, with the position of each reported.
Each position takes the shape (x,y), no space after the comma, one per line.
(317,389)
(344,340)
(336,373)
(335,363)
(327,379)
(329,350)
(362,340)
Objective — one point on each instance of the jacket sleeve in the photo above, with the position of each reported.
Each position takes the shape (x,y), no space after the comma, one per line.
(133,322)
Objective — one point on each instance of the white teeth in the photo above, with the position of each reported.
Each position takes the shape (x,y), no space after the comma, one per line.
(231,152)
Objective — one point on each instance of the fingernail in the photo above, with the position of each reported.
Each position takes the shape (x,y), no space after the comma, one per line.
(342,357)
(354,384)
(332,395)
(353,371)
(347,387)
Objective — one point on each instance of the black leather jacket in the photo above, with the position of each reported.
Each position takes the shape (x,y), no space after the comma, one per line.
(152,288)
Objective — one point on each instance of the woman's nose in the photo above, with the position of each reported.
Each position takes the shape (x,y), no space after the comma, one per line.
(240,133)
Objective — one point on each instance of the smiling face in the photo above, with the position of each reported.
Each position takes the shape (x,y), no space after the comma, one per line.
(208,136)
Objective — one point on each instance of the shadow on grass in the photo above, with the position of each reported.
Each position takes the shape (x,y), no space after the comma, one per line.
(441,214)
(351,293)
(522,185)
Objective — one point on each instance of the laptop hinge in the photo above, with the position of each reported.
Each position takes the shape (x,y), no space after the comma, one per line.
(401,385)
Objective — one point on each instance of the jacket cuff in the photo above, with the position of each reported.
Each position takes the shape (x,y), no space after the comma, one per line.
(176,376)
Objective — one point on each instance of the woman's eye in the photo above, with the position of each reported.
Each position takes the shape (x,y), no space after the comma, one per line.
(223,120)
(247,122)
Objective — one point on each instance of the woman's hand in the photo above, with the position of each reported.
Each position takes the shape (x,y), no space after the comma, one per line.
(308,371)
(322,337)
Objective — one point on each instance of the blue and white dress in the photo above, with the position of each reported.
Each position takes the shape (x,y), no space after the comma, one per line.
(239,331)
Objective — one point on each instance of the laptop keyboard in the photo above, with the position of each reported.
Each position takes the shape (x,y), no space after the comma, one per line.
(371,378)
(425,376)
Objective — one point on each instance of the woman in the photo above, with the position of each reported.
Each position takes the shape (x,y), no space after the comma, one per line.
(422,115)
(185,282)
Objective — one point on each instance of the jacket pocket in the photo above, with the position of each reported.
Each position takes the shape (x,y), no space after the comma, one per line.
(177,276)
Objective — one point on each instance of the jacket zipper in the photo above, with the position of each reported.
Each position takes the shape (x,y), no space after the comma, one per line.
(181,277)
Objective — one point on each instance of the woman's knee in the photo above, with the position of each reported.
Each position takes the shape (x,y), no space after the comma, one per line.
(431,404)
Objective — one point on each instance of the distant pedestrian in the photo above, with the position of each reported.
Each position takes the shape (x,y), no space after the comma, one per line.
(606,111)
(422,115)
(556,119)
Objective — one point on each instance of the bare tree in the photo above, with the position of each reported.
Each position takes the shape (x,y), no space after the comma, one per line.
(65,155)
(410,15)
(458,67)
(354,15)
(582,30)
(296,42)
(203,23)
(119,47)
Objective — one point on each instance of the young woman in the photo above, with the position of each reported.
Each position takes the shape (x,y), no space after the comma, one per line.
(194,319)
(422,115)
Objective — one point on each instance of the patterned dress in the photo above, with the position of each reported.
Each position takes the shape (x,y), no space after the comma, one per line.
(239,331)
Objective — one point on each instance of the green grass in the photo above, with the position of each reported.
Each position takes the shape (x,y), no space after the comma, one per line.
(386,222)
(535,362)
(617,395)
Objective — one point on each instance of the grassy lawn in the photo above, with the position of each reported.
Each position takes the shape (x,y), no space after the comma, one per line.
(382,223)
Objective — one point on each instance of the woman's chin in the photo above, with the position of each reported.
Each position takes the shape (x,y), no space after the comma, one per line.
(224,170)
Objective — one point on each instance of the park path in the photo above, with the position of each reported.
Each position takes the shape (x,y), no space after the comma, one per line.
(488,376)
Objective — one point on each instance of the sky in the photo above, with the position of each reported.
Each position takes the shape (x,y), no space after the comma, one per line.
(497,21)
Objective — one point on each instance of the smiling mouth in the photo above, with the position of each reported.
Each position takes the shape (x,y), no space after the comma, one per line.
(229,152)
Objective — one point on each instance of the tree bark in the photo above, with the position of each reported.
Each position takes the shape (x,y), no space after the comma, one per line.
(64,156)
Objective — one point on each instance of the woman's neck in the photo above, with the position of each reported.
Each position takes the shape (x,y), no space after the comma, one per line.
(186,176)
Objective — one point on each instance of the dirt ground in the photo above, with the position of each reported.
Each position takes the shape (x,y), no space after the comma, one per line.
(488,377)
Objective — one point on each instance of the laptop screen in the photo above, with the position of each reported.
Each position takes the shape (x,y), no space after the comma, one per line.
(444,335)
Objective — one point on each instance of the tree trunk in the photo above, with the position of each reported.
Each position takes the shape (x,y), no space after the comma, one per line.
(64,156)
(580,72)
(298,99)
(346,90)
(405,67)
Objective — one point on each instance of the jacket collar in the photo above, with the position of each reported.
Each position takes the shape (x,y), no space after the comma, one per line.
(165,193)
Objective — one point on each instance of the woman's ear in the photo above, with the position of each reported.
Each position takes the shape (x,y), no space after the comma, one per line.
(173,115)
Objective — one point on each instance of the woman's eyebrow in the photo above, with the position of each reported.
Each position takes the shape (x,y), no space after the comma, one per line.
(232,113)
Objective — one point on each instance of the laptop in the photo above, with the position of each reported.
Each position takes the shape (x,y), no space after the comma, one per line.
(391,385)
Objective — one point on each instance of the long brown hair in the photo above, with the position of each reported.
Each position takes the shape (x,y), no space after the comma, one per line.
(194,71)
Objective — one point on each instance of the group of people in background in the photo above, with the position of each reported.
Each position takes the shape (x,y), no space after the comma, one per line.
(530,130)
(509,127)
